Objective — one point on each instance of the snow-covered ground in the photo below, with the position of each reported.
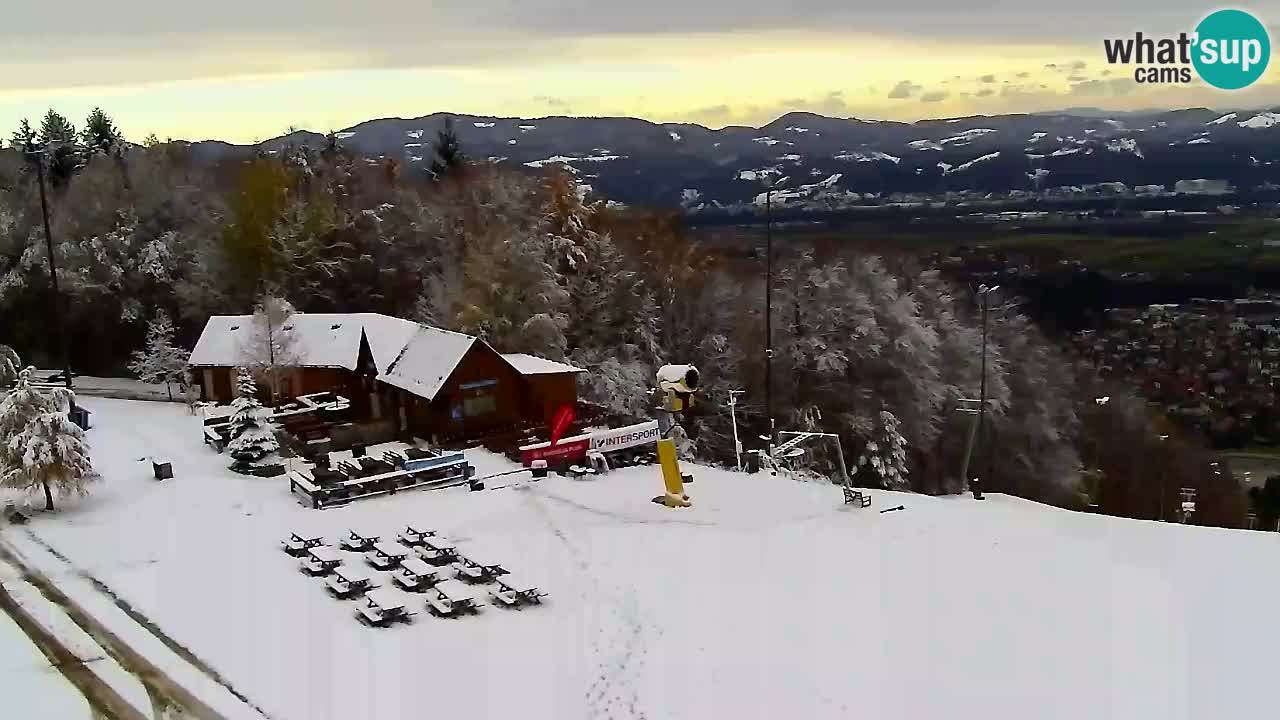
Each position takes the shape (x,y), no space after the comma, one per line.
(30,685)
(768,598)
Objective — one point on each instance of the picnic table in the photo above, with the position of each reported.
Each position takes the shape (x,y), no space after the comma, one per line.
(386,555)
(384,607)
(476,567)
(451,599)
(348,582)
(516,592)
(437,550)
(414,537)
(321,560)
(415,575)
(298,544)
(356,542)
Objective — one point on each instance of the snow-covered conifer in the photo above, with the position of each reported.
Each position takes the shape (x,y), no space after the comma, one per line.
(252,436)
(40,448)
(883,462)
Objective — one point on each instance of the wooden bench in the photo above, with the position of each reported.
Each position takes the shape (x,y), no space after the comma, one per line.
(855,497)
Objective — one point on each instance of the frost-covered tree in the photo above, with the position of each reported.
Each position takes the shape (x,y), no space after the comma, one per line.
(495,279)
(883,462)
(252,436)
(10,366)
(449,158)
(40,448)
(270,349)
(100,137)
(161,361)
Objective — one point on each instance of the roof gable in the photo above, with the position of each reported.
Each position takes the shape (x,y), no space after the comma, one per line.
(427,361)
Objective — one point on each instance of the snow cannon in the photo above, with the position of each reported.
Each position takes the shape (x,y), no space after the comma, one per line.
(677,385)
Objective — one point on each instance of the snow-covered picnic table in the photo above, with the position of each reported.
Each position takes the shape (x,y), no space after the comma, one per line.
(451,598)
(321,560)
(413,536)
(415,575)
(383,607)
(349,581)
(356,542)
(513,591)
(437,550)
(298,543)
(386,555)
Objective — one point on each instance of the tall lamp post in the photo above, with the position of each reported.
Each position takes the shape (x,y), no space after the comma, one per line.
(768,305)
(58,326)
(984,292)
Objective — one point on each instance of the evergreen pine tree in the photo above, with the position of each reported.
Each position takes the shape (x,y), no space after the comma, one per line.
(63,152)
(100,137)
(43,449)
(252,437)
(449,158)
(883,462)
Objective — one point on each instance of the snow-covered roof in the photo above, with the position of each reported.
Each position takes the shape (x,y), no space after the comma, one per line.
(534,365)
(319,339)
(427,360)
(415,358)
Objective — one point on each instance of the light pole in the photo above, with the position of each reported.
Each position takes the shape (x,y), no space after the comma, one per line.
(768,307)
(733,418)
(59,321)
(985,293)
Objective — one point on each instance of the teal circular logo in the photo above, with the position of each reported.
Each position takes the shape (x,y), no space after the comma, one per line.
(1231,49)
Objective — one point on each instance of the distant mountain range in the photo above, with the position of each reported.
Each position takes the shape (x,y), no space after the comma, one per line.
(820,162)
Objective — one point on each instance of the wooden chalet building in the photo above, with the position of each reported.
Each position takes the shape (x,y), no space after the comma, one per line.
(420,380)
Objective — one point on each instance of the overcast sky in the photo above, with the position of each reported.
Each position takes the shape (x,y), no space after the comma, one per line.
(244,70)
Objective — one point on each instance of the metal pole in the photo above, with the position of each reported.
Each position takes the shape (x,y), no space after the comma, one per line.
(768,312)
(982,397)
(59,323)
(733,418)
(982,393)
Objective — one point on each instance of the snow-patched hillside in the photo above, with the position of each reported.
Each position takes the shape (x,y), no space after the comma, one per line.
(767,599)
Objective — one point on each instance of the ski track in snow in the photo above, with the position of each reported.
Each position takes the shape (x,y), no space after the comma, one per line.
(618,647)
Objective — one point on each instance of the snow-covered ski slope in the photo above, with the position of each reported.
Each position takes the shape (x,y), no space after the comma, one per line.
(767,599)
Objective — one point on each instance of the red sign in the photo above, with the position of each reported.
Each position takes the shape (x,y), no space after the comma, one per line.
(560,423)
(569,451)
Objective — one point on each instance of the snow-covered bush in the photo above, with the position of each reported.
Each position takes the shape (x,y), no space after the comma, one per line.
(253,439)
(40,448)
(10,366)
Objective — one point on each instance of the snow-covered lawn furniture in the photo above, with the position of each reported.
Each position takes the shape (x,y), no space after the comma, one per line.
(451,599)
(853,496)
(386,555)
(348,582)
(320,561)
(356,542)
(415,575)
(475,568)
(215,435)
(382,608)
(414,537)
(437,551)
(515,592)
(298,544)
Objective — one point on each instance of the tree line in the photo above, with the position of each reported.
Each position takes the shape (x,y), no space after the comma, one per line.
(868,346)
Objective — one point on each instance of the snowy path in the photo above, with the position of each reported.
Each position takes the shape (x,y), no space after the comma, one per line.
(768,598)
(29,680)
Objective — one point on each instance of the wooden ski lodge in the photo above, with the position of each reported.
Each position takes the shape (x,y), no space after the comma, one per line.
(421,381)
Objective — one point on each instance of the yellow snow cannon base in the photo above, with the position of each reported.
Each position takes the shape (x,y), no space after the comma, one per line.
(671,477)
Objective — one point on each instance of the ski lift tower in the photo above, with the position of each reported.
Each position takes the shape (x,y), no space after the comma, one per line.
(1188,504)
